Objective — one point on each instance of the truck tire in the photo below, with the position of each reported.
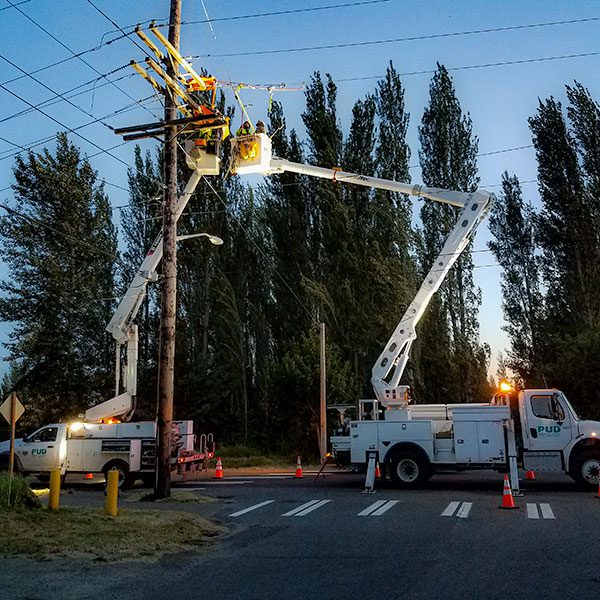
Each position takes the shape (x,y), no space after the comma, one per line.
(126,479)
(408,469)
(585,468)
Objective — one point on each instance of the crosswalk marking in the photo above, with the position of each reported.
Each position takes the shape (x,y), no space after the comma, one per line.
(450,509)
(546,510)
(384,508)
(304,509)
(299,508)
(251,508)
(370,509)
(311,508)
(463,510)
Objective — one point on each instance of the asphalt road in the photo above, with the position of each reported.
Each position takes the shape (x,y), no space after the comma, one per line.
(300,539)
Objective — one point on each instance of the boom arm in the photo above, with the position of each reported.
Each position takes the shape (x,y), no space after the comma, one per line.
(122,328)
(388,370)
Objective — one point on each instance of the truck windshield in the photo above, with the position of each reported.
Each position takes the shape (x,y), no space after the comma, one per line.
(563,399)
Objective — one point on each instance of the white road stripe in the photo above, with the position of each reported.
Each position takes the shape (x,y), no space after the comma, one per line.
(463,511)
(311,508)
(251,508)
(546,511)
(292,512)
(532,511)
(450,509)
(370,509)
(384,508)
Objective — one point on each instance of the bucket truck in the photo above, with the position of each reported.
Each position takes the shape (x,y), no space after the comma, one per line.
(539,429)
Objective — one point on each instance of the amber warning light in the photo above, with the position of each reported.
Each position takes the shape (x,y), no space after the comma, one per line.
(505,387)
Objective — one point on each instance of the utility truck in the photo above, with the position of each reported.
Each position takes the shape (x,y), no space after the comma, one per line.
(540,431)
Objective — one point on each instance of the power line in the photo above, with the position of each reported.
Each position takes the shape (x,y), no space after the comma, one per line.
(283,12)
(479,66)
(73,130)
(432,36)
(75,55)
(54,100)
(14,5)
(68,129)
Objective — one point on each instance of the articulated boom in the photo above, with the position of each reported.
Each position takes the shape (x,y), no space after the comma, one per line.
(122,328)
(389,367)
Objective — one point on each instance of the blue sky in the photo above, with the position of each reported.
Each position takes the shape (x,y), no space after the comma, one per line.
(499,98)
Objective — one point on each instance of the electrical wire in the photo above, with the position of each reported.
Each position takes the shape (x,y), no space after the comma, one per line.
(432,36)
(294,11)
(478,66)
(54,100)
(14,5)
(75,55)
(73,130)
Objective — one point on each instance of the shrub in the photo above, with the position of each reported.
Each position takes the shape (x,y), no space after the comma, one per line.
(21,495)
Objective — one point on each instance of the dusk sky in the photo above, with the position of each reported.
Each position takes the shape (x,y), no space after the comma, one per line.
(502,56)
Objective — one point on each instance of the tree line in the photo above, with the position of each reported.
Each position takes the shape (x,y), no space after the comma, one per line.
(299,251)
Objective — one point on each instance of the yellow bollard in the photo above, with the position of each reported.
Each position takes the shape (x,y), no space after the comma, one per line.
(54,496)
(112,494)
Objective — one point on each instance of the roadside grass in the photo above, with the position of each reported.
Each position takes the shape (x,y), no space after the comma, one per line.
(176,497)
(20,493)
(88,533)
(241,457)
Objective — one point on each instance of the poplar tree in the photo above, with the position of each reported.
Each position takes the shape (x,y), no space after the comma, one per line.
(512,223)
(60,247)
(450,332)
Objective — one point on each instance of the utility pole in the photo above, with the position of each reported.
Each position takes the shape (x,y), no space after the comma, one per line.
(323,397)
(168,312)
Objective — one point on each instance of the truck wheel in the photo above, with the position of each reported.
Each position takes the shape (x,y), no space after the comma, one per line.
(585,469)
(126,479)
(409,469)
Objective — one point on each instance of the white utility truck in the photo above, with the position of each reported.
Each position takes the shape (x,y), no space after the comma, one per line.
(105,439)
(411,442)
(540,431)
(95,448)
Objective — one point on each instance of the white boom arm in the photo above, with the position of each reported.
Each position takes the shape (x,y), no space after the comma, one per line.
(387,371)
(123,329)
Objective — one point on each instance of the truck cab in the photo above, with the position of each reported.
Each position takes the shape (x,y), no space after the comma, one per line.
(554,438)
(41,451)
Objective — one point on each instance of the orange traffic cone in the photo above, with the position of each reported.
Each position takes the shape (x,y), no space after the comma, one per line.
(507,497)
(530,475)
(219,470)
(377,471)
(298,469)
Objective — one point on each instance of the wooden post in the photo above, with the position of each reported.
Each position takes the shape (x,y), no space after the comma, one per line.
(169,283)
(323,389)
(11,451)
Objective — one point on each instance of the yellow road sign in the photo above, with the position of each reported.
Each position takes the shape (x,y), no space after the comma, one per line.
(5,409)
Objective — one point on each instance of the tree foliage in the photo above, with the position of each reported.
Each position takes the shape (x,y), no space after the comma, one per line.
(60,247)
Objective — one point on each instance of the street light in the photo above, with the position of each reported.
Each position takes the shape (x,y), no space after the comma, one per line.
(213,239)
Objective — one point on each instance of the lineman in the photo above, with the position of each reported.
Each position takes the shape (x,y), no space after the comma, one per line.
(245,129)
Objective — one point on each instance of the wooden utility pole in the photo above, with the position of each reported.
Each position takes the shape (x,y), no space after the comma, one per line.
(168,314)
(323,411)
